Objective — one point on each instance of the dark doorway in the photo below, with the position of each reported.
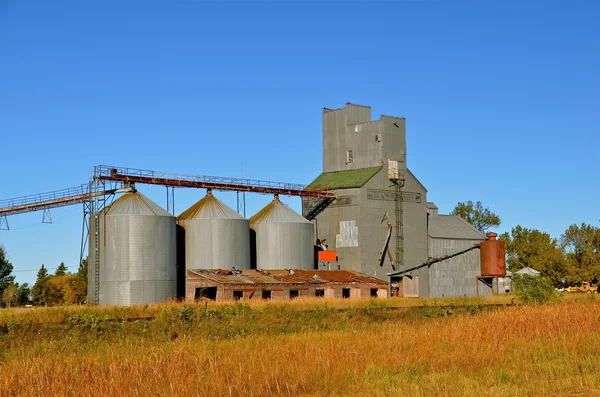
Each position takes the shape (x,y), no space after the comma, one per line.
(293,294)
(180,238)
(316,256)
(207,293)
(373,292)
(345,293)
(320,293)
(237,295)
(266,294)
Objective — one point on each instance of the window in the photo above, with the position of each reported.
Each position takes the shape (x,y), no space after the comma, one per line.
(373,292)
(320,293)
(293,293)
(349,157)
(237,295)
(345,293)
(206,293)
(266,294)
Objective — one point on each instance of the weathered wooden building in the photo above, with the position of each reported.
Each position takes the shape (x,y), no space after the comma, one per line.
(281,284)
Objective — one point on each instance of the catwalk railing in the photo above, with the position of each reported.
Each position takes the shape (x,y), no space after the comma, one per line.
(133,175)
(42,201)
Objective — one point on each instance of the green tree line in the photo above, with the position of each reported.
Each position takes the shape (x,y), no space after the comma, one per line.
(60,288)
(574,257)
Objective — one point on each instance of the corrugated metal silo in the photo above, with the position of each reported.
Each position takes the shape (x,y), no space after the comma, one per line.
(284,239)
(137,252)
(216,237)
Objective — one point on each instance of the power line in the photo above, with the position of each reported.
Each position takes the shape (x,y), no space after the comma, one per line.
(36,270)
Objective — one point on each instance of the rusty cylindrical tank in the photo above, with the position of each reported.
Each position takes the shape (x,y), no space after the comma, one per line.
(493,256)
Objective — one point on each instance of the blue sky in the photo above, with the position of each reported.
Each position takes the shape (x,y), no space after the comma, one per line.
(502,100)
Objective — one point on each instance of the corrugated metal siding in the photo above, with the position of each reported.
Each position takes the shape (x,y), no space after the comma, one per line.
(452,227)
(410,287)
(217,243)
(284,239)
(284,245)
(216,237)
(454,276)
(137,253)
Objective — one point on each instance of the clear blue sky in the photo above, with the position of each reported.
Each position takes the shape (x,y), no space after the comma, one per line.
(502,100)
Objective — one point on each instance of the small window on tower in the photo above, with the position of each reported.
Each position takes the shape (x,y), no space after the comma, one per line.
(349,157)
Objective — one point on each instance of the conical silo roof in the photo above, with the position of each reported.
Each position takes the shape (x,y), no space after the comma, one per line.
(209,207)
(135,204)
(276,212)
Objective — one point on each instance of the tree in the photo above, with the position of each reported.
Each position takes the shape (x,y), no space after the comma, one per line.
(5,271)
(537,250)
(81,282)
(10,295)
(42,273)
(39,292)
(23,294)
(533,289)
(83,269)
(476,215)
(582,245)
(61,270)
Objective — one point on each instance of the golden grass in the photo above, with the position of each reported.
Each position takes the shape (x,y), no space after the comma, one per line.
(529,351)
(60,313)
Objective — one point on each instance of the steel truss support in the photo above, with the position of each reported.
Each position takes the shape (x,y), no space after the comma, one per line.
(171,199)
(4,223)
(99,198)
(46,216)
(241,203)
(85,231)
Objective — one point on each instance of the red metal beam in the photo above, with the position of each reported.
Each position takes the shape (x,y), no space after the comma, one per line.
(207,184)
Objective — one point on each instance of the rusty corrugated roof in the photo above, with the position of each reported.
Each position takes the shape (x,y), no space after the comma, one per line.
(283,276)
(331,276)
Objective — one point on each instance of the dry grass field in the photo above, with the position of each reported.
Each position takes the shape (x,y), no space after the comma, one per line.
(304,348)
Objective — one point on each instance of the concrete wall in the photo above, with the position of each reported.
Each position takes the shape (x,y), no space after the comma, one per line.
(455,276)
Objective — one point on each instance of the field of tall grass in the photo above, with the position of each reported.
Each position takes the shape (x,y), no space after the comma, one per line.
(304,348)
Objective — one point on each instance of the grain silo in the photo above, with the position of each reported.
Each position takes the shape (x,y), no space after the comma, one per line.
(137,252)
(284,239)
(216,237)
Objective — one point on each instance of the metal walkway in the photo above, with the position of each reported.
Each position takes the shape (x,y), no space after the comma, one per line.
(133,175)
(43,201)
(123,176)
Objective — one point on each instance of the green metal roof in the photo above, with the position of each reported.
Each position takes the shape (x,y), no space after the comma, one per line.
(343,179)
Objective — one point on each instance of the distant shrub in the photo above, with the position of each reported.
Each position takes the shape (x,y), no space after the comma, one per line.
(532,289)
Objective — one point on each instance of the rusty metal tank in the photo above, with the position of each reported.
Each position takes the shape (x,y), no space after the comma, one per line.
(493,256)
